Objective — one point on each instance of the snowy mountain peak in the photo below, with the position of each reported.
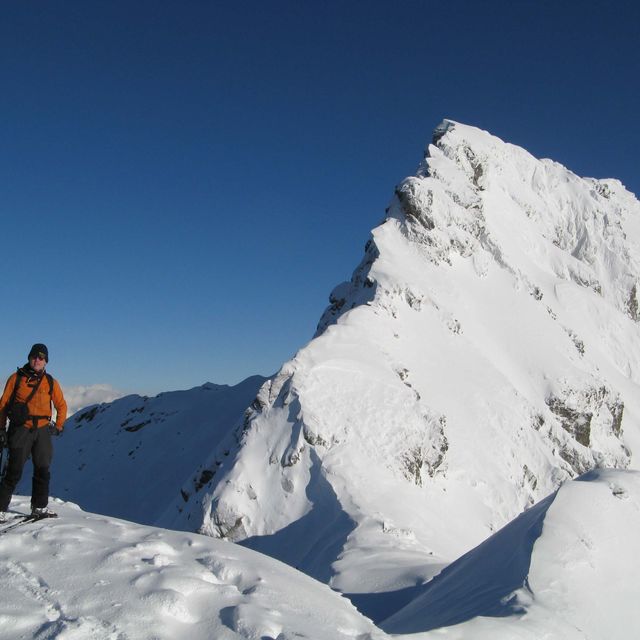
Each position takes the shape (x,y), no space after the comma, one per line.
(441,129)
(485,349)
(477,197)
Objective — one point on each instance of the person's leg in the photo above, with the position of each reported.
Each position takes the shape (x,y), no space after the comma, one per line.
(41,455)
(20,441)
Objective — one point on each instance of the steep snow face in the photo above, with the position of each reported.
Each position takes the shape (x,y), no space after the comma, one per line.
(486,349)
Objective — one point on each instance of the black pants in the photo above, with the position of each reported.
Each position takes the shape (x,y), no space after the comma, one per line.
(22,443)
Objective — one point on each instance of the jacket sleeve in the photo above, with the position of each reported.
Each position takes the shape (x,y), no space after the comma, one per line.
(4,401)
(60,404)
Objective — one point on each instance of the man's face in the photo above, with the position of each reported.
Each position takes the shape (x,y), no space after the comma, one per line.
(37,362)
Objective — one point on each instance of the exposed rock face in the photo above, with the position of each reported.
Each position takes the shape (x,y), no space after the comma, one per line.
(485,349)
(593,419)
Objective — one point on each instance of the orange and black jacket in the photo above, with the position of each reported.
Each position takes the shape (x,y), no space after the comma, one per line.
(39,405)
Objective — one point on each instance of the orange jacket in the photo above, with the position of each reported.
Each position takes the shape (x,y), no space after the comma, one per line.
(39,405)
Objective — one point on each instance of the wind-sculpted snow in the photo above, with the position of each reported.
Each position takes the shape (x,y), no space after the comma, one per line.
(564,569)
(87,576)
(486,349)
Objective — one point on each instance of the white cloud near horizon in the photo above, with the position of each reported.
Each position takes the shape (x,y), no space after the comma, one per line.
(81,396)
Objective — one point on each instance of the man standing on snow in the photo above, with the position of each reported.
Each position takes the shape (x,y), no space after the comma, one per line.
(26,401)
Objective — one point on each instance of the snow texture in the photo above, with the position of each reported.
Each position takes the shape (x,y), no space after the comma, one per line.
(86,576)
(565,568)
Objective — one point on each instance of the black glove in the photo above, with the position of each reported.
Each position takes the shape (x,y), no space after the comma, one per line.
(4,441)
(53,430)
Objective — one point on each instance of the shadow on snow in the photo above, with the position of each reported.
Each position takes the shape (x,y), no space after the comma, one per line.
(483,582)
(314,542)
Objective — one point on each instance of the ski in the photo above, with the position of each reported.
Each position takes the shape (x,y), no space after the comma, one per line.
(15,522)
(22,520)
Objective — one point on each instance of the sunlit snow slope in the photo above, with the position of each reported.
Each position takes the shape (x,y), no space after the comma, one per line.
(564,569)
(486,349)
(87,576)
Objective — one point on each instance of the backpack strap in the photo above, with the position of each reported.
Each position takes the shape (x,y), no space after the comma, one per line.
(16,384)
(50,379)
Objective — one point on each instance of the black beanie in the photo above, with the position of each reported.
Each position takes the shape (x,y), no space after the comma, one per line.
(39,349)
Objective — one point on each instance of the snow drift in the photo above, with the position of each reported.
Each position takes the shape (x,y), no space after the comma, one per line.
(565,568)
(89,576)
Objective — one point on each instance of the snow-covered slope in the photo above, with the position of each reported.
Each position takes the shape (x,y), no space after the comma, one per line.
(87,576)
(486,349)
(130,458)
(566,568)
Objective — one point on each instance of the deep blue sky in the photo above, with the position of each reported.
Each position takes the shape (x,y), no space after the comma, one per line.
(182,183)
